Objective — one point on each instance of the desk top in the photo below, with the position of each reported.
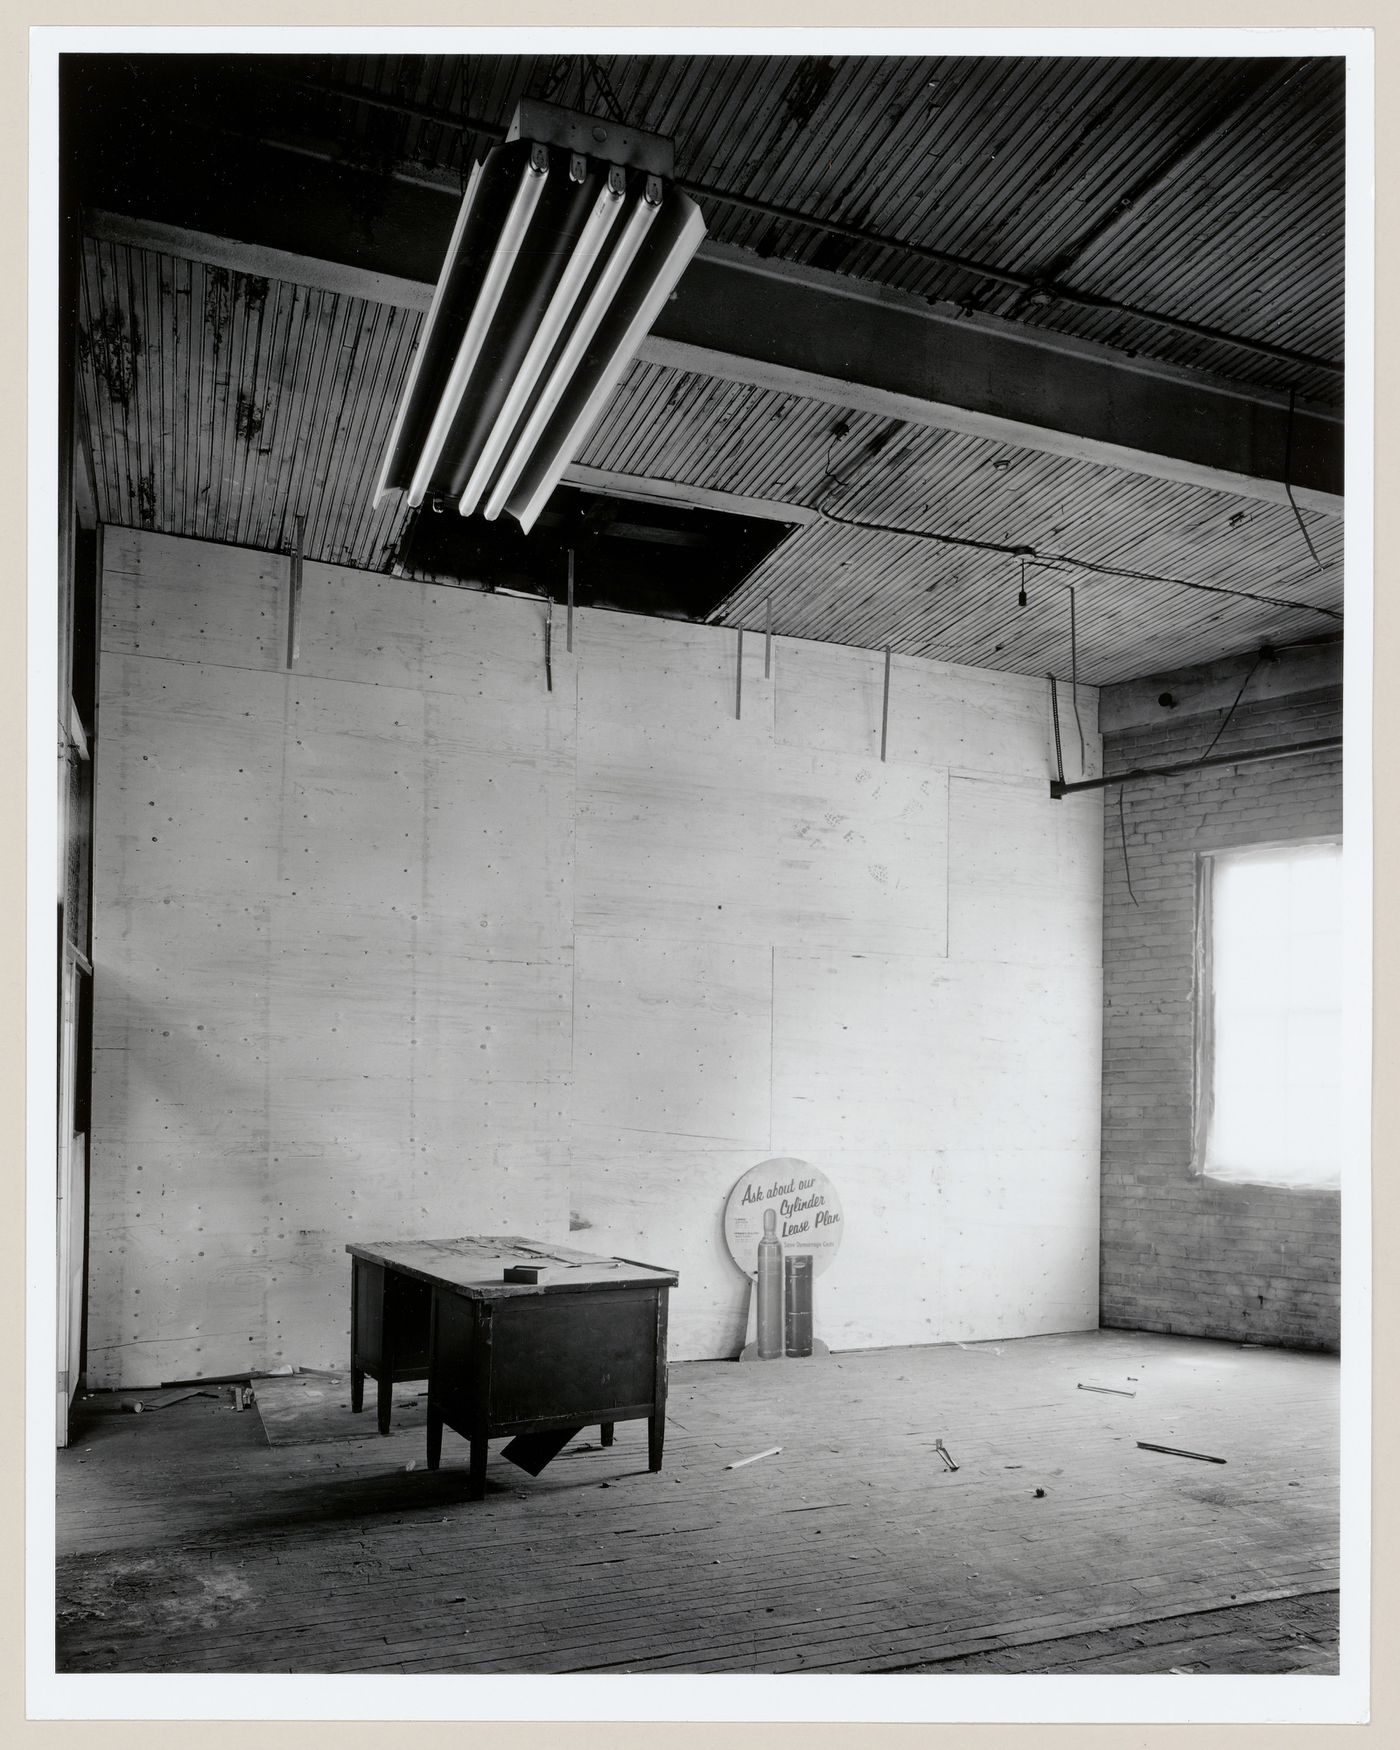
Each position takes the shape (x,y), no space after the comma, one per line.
(474,1266)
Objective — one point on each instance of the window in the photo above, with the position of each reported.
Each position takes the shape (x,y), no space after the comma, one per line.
(1269,1105)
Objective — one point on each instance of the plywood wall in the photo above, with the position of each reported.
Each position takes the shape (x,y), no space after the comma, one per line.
(400,943)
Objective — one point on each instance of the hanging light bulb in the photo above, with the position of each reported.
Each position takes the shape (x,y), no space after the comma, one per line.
(1021,599)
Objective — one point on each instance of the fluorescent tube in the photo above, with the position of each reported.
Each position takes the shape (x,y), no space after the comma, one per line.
(674,264)
(585,253)
(464,212)
(502,261)
(597,307)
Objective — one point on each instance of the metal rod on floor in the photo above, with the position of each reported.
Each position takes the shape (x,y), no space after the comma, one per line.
(548,640)
(885,706)
(569,628)
(739,674)
(294,608)
(1292,750)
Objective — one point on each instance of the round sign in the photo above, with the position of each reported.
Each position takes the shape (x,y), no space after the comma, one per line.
(803,1200)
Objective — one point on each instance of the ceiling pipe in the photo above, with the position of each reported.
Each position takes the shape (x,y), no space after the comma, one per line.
(1288,751)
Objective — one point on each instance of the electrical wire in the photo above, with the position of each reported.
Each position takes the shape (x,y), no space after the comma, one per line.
(603,85)
(831,482)
(1069,559)
(1230,713)
(1123,834)
(462,177)
(1288,482)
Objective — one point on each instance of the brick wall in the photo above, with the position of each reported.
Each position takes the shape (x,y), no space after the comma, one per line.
(1180,1252)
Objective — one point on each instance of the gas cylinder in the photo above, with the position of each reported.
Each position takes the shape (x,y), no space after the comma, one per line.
(770,1290)
(798,1288)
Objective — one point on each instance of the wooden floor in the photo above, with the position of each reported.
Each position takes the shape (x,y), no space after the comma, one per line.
(200,1538)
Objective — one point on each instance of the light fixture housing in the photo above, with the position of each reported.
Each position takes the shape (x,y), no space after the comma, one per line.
(570,237)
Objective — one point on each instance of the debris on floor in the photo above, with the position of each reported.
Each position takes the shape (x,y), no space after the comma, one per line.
(1180,1452)
(944,1454)
(1116,1391)
(739,1463)
(160,1400)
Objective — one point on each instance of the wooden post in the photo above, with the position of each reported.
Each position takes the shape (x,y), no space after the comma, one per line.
(885,706)
(768,638)
(739,675)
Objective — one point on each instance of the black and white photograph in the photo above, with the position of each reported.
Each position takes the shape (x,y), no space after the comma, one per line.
(709,1015)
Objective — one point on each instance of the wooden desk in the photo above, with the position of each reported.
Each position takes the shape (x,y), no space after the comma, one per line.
(587,1343)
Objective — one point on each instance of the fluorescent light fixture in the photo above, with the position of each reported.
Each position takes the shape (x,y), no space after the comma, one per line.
(570,238)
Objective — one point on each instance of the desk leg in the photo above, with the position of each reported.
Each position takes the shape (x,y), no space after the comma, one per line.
(484,1319)
(656,1422)
(384,1381)
(434,1437)
(357,1373)
(476,1478)
(606,1430)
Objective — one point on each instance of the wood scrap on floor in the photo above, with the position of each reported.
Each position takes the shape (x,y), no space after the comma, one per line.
(1180,1452)
(161,1400)
(739,1463)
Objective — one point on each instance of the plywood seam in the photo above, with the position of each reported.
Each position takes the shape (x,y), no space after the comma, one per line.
(947,865)
(772,1034)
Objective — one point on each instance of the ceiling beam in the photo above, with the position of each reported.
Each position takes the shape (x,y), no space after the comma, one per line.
(259,260)
(611,484)
(882,351)
(804,332)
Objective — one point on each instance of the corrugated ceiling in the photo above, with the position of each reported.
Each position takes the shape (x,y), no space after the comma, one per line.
(1209,190)
(221,406)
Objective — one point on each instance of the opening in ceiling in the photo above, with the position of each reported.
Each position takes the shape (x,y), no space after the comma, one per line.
(635,556)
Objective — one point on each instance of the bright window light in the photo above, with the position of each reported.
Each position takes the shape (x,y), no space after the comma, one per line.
(1271,1072)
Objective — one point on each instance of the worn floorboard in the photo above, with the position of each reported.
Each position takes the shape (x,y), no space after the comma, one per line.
(197,1538)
